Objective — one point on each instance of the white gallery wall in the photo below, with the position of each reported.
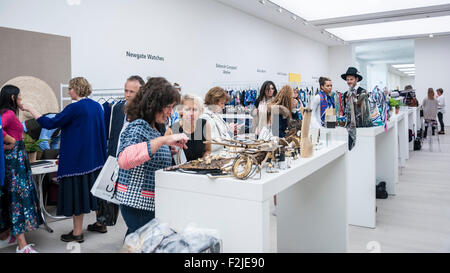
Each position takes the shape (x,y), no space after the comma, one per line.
(394,81)
(377,75)
(432,68)
(404,81)
(192,37)
(340,59)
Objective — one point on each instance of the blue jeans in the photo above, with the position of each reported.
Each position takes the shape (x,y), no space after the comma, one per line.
(135,218)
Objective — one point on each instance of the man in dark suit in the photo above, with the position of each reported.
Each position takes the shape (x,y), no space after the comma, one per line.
(356,105)
(361,105)
(107,213)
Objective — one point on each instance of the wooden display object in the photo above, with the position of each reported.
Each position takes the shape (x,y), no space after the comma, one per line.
(306,147)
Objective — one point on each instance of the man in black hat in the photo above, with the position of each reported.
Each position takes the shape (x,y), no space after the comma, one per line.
(356,105)
(361,105)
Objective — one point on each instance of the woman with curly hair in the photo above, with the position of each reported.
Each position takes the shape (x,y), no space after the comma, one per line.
(82,153)
(143,150)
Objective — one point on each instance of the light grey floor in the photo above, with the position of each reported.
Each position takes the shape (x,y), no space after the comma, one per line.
(416,220)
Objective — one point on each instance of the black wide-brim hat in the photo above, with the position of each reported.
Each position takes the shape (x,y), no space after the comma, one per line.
(351,71)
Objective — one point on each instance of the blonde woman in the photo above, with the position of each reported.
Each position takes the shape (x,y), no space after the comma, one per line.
(195,128)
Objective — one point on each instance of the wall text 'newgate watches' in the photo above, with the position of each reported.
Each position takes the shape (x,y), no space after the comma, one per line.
(144,56)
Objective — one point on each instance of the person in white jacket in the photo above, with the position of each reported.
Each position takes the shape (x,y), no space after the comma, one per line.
(215,101)
(441,109)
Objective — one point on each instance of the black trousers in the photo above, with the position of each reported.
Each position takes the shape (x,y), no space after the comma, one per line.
(441,120)
(426,131)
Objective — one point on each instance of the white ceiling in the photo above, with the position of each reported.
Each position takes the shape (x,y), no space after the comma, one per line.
(268,12)
(321,15)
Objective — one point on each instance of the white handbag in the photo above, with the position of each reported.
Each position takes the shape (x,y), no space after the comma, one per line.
(104,186)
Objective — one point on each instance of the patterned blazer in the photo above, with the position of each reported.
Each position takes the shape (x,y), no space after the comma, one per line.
(136,187)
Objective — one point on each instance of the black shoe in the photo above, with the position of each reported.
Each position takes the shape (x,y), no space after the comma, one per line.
(70,238)
(441,133)
(97,228)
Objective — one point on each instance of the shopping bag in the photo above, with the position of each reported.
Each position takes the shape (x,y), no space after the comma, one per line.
(104,186)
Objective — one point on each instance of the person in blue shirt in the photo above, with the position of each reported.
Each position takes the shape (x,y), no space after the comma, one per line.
(36,132)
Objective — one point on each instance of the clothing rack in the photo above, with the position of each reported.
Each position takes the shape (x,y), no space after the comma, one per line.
(107,95)
(99,95)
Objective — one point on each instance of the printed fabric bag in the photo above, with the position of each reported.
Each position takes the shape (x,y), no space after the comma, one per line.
(105,185)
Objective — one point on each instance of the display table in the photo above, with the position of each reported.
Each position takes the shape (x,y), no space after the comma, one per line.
(374,157)
(311,198)
(401,119)
(416,119)
(411,126)
(39,173)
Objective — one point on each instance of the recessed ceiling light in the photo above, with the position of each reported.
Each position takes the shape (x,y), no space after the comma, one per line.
(404,65)
(305,23)
(407,69)
(294,17)
(262,2)
(431,35)
(280,10)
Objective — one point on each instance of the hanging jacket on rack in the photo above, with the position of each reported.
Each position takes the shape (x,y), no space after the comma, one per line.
(107,113)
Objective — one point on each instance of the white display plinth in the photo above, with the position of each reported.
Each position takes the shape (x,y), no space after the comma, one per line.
(402,121)
(311,198)
(374,157)
(411,126)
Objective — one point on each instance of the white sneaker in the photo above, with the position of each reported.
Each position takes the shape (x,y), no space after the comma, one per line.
(27,249)
(10,241)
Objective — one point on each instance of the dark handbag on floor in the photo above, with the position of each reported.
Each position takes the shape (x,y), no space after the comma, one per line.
(418,144)
(381,191)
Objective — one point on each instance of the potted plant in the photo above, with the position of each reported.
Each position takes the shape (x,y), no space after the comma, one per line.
(395,104)
(32,147)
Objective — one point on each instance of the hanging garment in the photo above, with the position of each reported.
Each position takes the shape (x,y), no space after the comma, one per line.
(302,97)
(107,108)
(350,101)
(361,107)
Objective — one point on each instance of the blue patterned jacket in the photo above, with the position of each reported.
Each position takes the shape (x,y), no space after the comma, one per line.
(136,187)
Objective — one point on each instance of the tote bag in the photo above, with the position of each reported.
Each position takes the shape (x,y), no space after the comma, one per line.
(104,187)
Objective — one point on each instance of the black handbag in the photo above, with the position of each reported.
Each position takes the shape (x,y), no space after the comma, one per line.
(381,192)
(418,144)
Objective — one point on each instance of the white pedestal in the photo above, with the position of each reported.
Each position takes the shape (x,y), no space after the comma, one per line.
(402,121)
(311,197)
(411,126)
(374,157)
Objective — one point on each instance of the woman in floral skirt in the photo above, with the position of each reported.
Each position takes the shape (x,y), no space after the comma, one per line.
(21,191)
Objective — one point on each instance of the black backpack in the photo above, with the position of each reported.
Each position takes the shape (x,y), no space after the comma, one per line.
(381,191)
